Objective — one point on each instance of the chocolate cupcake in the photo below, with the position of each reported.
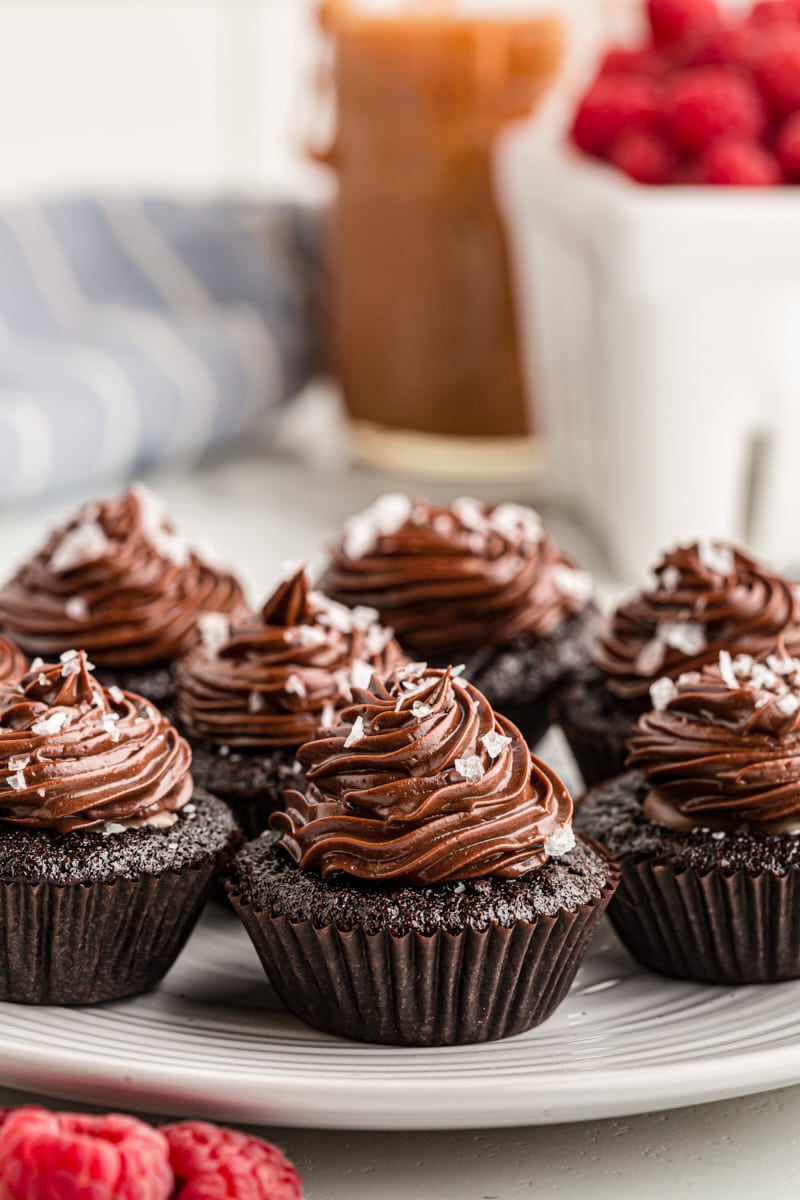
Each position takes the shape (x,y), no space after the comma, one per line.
(707,597)
(707,824)
(106,851)
(251,695)
(482,585)
(426,888)
(118,581)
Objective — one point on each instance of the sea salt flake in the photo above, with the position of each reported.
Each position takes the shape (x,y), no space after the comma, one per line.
(328,715)
(443,524)
(788,704)
(661,692)
(110,726)
(494,743)
(762,677)
(116,694)
(110,827)
(716,556)
(418,709)
(52,724)
(689,678)
(296,687)
(19,762)
(782,665)
(17,781)
(470,768)
(76,608)
(215,630)
(361,674)
(572,582)
(355,734)
(516,523)
(457,670)
(382,518)
(86,543)
(650,657)
(761,701)
(688,637)
(470,513)
(255,702)
(363,617)
(376,639)
(718,834)
(670,579)
(224,751)
(560,842)
(331,613)
(41,679)
(743,664)
(308,635)
(413,668)
(36,664)
(727,671)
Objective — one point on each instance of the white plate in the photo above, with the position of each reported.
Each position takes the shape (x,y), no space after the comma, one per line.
(212,1041)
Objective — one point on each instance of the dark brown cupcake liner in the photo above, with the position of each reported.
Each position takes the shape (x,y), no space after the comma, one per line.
(714,927)
(423,990)
(85,943)
(598,757)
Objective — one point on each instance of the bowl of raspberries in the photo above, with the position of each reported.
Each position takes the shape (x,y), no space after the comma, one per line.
(705,98)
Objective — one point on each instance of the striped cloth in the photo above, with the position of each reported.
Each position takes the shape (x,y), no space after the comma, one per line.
(135,330)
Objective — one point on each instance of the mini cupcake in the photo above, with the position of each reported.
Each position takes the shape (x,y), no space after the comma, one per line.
(106,851)
(472,583)
(426,888)
(120,582)
(707,823)
(707,597)
(256,690)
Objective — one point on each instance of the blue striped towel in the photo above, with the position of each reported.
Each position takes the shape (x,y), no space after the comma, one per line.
(138,330)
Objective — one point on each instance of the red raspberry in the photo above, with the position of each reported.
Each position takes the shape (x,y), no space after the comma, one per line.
(738,163)
(627,60)
(728,46)
(72,1157)
(613,105)
(787,148)
(221,1164)
(777,68)
(774,12)
(708,103)
(646,157)
(679,20)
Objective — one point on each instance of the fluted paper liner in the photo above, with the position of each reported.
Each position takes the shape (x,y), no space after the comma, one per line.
(423,990)
(83,943)
(711,927)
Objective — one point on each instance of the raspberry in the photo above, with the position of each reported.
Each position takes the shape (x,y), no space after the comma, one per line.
(613,105)
(646,157)
(708,103)
(777,68)
(728,46)
(738,163)
(74,1157)
(678,20)
(787,148)
(626,60)
(220,1164)
(775,12)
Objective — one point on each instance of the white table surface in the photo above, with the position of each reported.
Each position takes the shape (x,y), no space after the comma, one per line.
(263,512)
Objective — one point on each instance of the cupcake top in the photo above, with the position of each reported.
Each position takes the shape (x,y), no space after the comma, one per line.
(275,678)
(423,783)
(74,755)
(118,581)
(707,597)
(455,578)
(721,747)
(13,663)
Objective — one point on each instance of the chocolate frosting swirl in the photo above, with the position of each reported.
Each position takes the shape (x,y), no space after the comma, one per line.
(118,581)
(74,755)
(423,783)
(274,679)
(723,744)
(708,597)
(13,663)
(458,578)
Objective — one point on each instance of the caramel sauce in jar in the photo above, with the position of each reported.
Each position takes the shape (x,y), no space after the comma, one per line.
(422,318)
